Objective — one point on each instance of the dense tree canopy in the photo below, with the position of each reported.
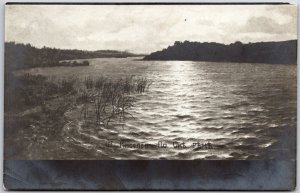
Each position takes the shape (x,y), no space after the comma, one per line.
(25,56)
(284,52)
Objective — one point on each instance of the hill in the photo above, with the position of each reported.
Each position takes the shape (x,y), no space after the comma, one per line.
(19,56)
(283,52)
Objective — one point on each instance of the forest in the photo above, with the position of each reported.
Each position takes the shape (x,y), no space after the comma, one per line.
(20,56)
(284,52)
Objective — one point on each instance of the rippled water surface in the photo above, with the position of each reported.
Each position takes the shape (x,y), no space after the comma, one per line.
(245,111)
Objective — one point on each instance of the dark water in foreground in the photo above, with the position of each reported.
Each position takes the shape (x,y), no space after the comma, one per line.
(245,111)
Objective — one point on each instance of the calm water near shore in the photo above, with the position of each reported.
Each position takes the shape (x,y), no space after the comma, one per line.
(244,111)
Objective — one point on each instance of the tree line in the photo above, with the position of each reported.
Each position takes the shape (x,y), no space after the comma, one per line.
(283,52)
(18,56)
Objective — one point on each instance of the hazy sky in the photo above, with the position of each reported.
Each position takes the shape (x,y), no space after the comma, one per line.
(146,28)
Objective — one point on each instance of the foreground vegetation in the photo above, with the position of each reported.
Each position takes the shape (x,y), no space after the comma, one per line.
(36,107)
(109,98)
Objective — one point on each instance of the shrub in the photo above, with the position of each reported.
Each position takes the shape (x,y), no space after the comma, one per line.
(88,82)
(85,63)
(67,85)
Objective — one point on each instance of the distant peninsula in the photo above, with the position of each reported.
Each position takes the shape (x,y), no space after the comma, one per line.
(20,56)
(282,52)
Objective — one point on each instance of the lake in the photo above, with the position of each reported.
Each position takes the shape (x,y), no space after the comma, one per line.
(243,111)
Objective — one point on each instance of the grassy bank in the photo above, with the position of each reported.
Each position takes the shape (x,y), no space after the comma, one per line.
(36,109)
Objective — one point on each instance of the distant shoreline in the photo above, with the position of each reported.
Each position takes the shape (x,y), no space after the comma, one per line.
(22,56)
(283,52)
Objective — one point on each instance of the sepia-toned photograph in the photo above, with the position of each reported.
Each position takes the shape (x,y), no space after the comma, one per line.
(150,82)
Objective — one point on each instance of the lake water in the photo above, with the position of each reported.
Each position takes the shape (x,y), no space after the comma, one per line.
(245,111)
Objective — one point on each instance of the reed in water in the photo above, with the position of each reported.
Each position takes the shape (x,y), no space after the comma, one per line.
(112,99)
(45,105)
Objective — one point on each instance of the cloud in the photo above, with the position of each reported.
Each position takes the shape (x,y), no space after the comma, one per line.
(286,10)
(146,28)
(268,25)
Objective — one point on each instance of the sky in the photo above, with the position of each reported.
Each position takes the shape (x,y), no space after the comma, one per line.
(146,28)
